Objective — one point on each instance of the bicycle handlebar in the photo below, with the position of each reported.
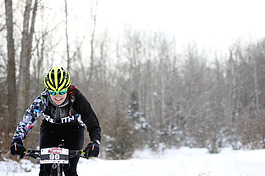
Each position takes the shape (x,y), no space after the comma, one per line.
(32,153)
(37,153)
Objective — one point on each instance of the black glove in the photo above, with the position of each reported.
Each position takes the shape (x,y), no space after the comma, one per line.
(17,148)
(92,149)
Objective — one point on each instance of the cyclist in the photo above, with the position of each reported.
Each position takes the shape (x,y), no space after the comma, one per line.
(66,112)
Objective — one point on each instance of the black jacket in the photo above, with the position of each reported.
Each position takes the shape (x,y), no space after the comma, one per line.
(75,109)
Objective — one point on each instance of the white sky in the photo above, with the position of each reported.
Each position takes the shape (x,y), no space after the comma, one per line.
(211,24)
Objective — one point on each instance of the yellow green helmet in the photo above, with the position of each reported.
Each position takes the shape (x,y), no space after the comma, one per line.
(57,79)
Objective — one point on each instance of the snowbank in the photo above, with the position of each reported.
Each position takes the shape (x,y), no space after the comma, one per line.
(172,162)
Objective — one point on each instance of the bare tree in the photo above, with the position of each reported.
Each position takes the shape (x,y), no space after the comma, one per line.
(25,56)
(66,35)
(11,72)
(92,40)
(11,78)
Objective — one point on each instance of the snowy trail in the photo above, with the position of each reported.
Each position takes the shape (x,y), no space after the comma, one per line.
(175,162)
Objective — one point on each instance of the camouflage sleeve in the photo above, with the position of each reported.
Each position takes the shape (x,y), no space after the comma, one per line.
(30,117)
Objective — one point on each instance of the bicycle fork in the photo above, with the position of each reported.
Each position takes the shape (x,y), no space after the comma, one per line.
(58,168)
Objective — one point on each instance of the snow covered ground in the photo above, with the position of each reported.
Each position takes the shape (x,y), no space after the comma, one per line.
(173,162)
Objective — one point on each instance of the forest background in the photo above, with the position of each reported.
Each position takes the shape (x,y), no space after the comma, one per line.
(146,90)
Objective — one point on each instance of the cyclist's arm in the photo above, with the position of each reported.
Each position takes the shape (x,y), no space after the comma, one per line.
(88,116)
(30,117)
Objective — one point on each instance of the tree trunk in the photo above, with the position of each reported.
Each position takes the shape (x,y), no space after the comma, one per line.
(256,87)
(66,36)
(94,16)
(25,57)
(11,67)
(11,73)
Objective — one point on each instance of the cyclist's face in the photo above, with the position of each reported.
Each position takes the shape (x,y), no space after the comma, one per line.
(58,99)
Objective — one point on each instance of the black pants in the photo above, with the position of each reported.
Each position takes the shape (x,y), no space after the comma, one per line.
(73,139)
